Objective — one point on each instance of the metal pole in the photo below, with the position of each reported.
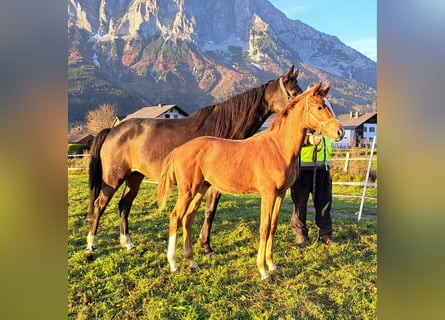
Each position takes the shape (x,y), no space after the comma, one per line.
(366,180)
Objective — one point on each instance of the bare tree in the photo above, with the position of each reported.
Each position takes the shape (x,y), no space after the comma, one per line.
(101,118)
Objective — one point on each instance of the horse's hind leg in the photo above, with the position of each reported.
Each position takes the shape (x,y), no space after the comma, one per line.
(98,209)
(187,223)
(185,212)
(212,200)
(175,219)
(130,192)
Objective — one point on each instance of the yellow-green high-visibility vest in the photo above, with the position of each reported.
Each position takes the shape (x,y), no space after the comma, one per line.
(321,158)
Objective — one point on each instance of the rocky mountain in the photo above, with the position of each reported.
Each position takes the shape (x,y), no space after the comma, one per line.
(196,52)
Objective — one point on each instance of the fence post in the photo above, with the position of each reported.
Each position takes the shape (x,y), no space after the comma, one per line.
(345,169)
(366,180)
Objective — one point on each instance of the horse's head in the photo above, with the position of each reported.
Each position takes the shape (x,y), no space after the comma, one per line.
(285,89)
(320,117)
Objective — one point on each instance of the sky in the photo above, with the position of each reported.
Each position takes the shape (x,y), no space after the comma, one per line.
(354,22)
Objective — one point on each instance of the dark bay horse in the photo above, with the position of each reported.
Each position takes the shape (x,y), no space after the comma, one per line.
(136,148)
(266,163)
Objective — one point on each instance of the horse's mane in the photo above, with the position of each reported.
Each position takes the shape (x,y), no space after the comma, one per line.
(285,112)
(237,117)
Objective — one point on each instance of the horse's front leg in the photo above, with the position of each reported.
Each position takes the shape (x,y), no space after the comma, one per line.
(265,225)
(212,200)
(273,227)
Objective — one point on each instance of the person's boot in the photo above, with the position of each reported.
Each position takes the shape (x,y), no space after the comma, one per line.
(327,240)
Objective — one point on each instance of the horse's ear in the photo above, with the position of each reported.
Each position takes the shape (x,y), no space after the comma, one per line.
(296,73)
(323,92)
(289,73)
(315,89)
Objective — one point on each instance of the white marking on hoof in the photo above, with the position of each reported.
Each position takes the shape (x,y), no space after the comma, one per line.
(272,267)
(265,276)
(126,241)
(171,253)
(173,267)
(90,242)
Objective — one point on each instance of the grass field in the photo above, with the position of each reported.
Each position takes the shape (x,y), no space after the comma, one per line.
(317,282)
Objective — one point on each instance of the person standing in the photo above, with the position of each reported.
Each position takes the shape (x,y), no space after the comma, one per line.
(314,178)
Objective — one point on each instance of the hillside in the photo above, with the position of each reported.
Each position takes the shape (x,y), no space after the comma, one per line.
(193,53)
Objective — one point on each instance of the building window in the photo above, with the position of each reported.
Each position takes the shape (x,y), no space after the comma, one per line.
(167,116)
(175,116)
(365,129)
(372,129)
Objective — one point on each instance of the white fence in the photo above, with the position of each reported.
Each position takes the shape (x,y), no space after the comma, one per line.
(347,161)
(368,184)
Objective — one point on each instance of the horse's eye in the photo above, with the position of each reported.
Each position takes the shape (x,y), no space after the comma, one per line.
(319,107)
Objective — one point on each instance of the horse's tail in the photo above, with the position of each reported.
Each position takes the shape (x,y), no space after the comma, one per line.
(96,167)
(167,180)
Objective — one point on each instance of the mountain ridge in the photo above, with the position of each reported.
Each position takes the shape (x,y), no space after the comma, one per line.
(194,53)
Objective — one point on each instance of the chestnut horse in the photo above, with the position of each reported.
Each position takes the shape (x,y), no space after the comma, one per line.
(266,163)
(136,148)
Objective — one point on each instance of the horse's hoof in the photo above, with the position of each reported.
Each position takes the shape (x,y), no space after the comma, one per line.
(272,268)
(268,280)
(206,249)
(194,264)
(211,254)
(173,267)
(90,249)
(126,241)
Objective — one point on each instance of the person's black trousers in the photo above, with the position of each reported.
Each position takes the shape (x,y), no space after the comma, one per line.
(300,192)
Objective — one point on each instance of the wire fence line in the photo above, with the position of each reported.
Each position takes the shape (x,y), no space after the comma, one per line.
(347,160)
(369,184)
(346,183)
(74,156)
(334,183)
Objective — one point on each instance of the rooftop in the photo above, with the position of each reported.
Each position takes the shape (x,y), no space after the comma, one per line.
(354,119)
(155,111)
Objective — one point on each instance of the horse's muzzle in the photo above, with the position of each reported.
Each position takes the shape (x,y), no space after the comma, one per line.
(340,135)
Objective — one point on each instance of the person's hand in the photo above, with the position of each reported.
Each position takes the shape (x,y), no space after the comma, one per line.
(315,139)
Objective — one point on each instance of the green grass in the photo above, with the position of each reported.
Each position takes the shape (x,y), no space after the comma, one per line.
(315,283)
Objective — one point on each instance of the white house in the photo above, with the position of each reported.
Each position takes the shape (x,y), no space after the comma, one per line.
(359,129)
(161,111)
